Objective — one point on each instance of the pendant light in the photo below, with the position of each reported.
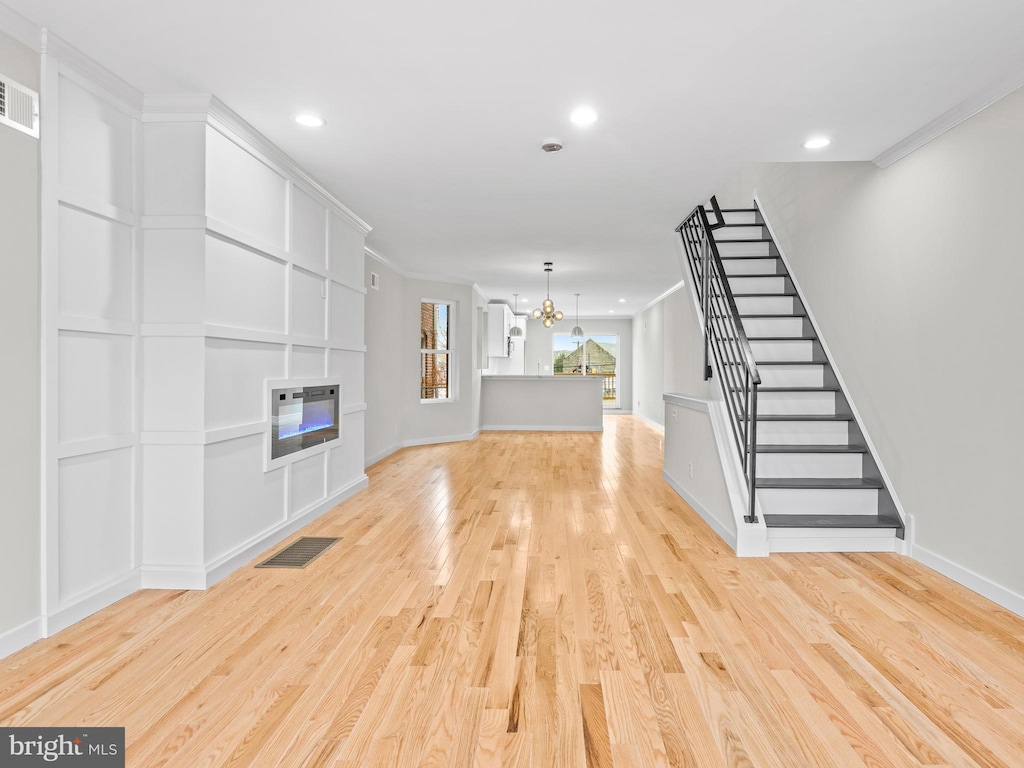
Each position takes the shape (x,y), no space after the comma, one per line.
(577,332)
(547,312)
(515,330)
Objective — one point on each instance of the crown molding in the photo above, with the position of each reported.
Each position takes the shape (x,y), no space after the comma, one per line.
(15,25)
(421,275)
(661,298)
(205,107)
(966,109)
(95,73)
(383,260)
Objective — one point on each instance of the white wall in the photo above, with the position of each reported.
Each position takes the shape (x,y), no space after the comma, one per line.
(539,345)
(385,383)
(90,214)
(395,416)
(20,382)
(913,274)
(669,359)
(265,283)
(426,422)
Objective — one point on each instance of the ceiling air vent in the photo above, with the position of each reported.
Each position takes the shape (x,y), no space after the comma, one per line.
(19,107)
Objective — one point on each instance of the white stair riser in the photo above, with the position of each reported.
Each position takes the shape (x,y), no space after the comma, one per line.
(767,305)
(803,433)
(809,465)
(791,375)
(749,266)
(773,326)
(767,351)
(742,249)
(754,232)
(735,217)
(796,403)
(818,501)
(757,284)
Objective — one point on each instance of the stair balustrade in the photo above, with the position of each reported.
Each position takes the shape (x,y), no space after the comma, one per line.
(725,342)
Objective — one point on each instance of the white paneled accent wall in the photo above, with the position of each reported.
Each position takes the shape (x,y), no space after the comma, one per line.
(90,194)
(254,274)
(185,261)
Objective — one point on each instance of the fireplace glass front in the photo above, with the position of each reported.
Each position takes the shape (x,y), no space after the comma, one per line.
(302,417)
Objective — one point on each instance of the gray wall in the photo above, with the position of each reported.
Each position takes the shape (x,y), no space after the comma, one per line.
(539,346)
(913,274)
(668,354)
(395,417)
(20,381)
(384,366)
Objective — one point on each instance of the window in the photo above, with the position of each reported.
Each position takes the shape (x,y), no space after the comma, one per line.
(435,350)
(590,356)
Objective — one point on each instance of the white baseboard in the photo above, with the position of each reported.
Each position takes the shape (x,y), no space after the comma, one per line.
(380,456)
(438,440)
(96,600)
(192,577)
(228,564)
(729,537)
(650,422)
(20,636)
(536,428)
(997,593)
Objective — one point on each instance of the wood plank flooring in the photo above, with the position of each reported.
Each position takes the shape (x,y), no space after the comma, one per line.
(540,599)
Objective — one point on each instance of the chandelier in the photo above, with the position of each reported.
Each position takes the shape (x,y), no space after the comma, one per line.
(547,312)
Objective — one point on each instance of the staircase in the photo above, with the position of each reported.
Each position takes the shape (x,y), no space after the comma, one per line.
(814,476)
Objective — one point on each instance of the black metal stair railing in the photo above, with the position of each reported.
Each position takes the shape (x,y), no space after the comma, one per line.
(725,342)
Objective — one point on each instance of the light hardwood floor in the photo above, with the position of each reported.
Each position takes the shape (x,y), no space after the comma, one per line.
(541,599)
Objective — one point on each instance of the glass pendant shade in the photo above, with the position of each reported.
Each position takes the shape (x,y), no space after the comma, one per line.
(577,332)
(515,330)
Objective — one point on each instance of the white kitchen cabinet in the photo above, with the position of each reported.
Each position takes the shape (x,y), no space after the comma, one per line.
(499,322)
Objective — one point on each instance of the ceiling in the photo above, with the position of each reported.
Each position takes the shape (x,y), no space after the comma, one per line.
(436,111)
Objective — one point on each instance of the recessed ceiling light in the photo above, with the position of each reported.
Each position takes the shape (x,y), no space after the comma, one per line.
(310,121)
(583,116)
(818,142)
(611,311)
(622,301)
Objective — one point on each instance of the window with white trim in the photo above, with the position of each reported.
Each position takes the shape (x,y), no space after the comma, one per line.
(436,321)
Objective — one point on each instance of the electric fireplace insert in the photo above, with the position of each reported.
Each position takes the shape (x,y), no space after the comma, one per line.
(302,417)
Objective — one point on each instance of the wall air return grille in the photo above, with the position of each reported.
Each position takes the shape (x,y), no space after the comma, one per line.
(19,107)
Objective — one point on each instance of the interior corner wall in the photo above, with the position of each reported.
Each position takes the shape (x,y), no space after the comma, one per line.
(385,383)
(913,275)
(20,605)
(436,422)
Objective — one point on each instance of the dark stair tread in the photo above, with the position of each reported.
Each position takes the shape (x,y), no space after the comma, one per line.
(840,483)
(747,255)
(814,448)
(822,388)
(759,274)
(830,521)
(779,315)
(731,241)
(763,295)
(802,417)
(733,210)
(780,362)
(782,338)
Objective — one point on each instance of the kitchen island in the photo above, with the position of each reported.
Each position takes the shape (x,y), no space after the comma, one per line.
(558,403)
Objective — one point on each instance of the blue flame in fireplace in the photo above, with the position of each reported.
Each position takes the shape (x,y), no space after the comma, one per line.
(305,427)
